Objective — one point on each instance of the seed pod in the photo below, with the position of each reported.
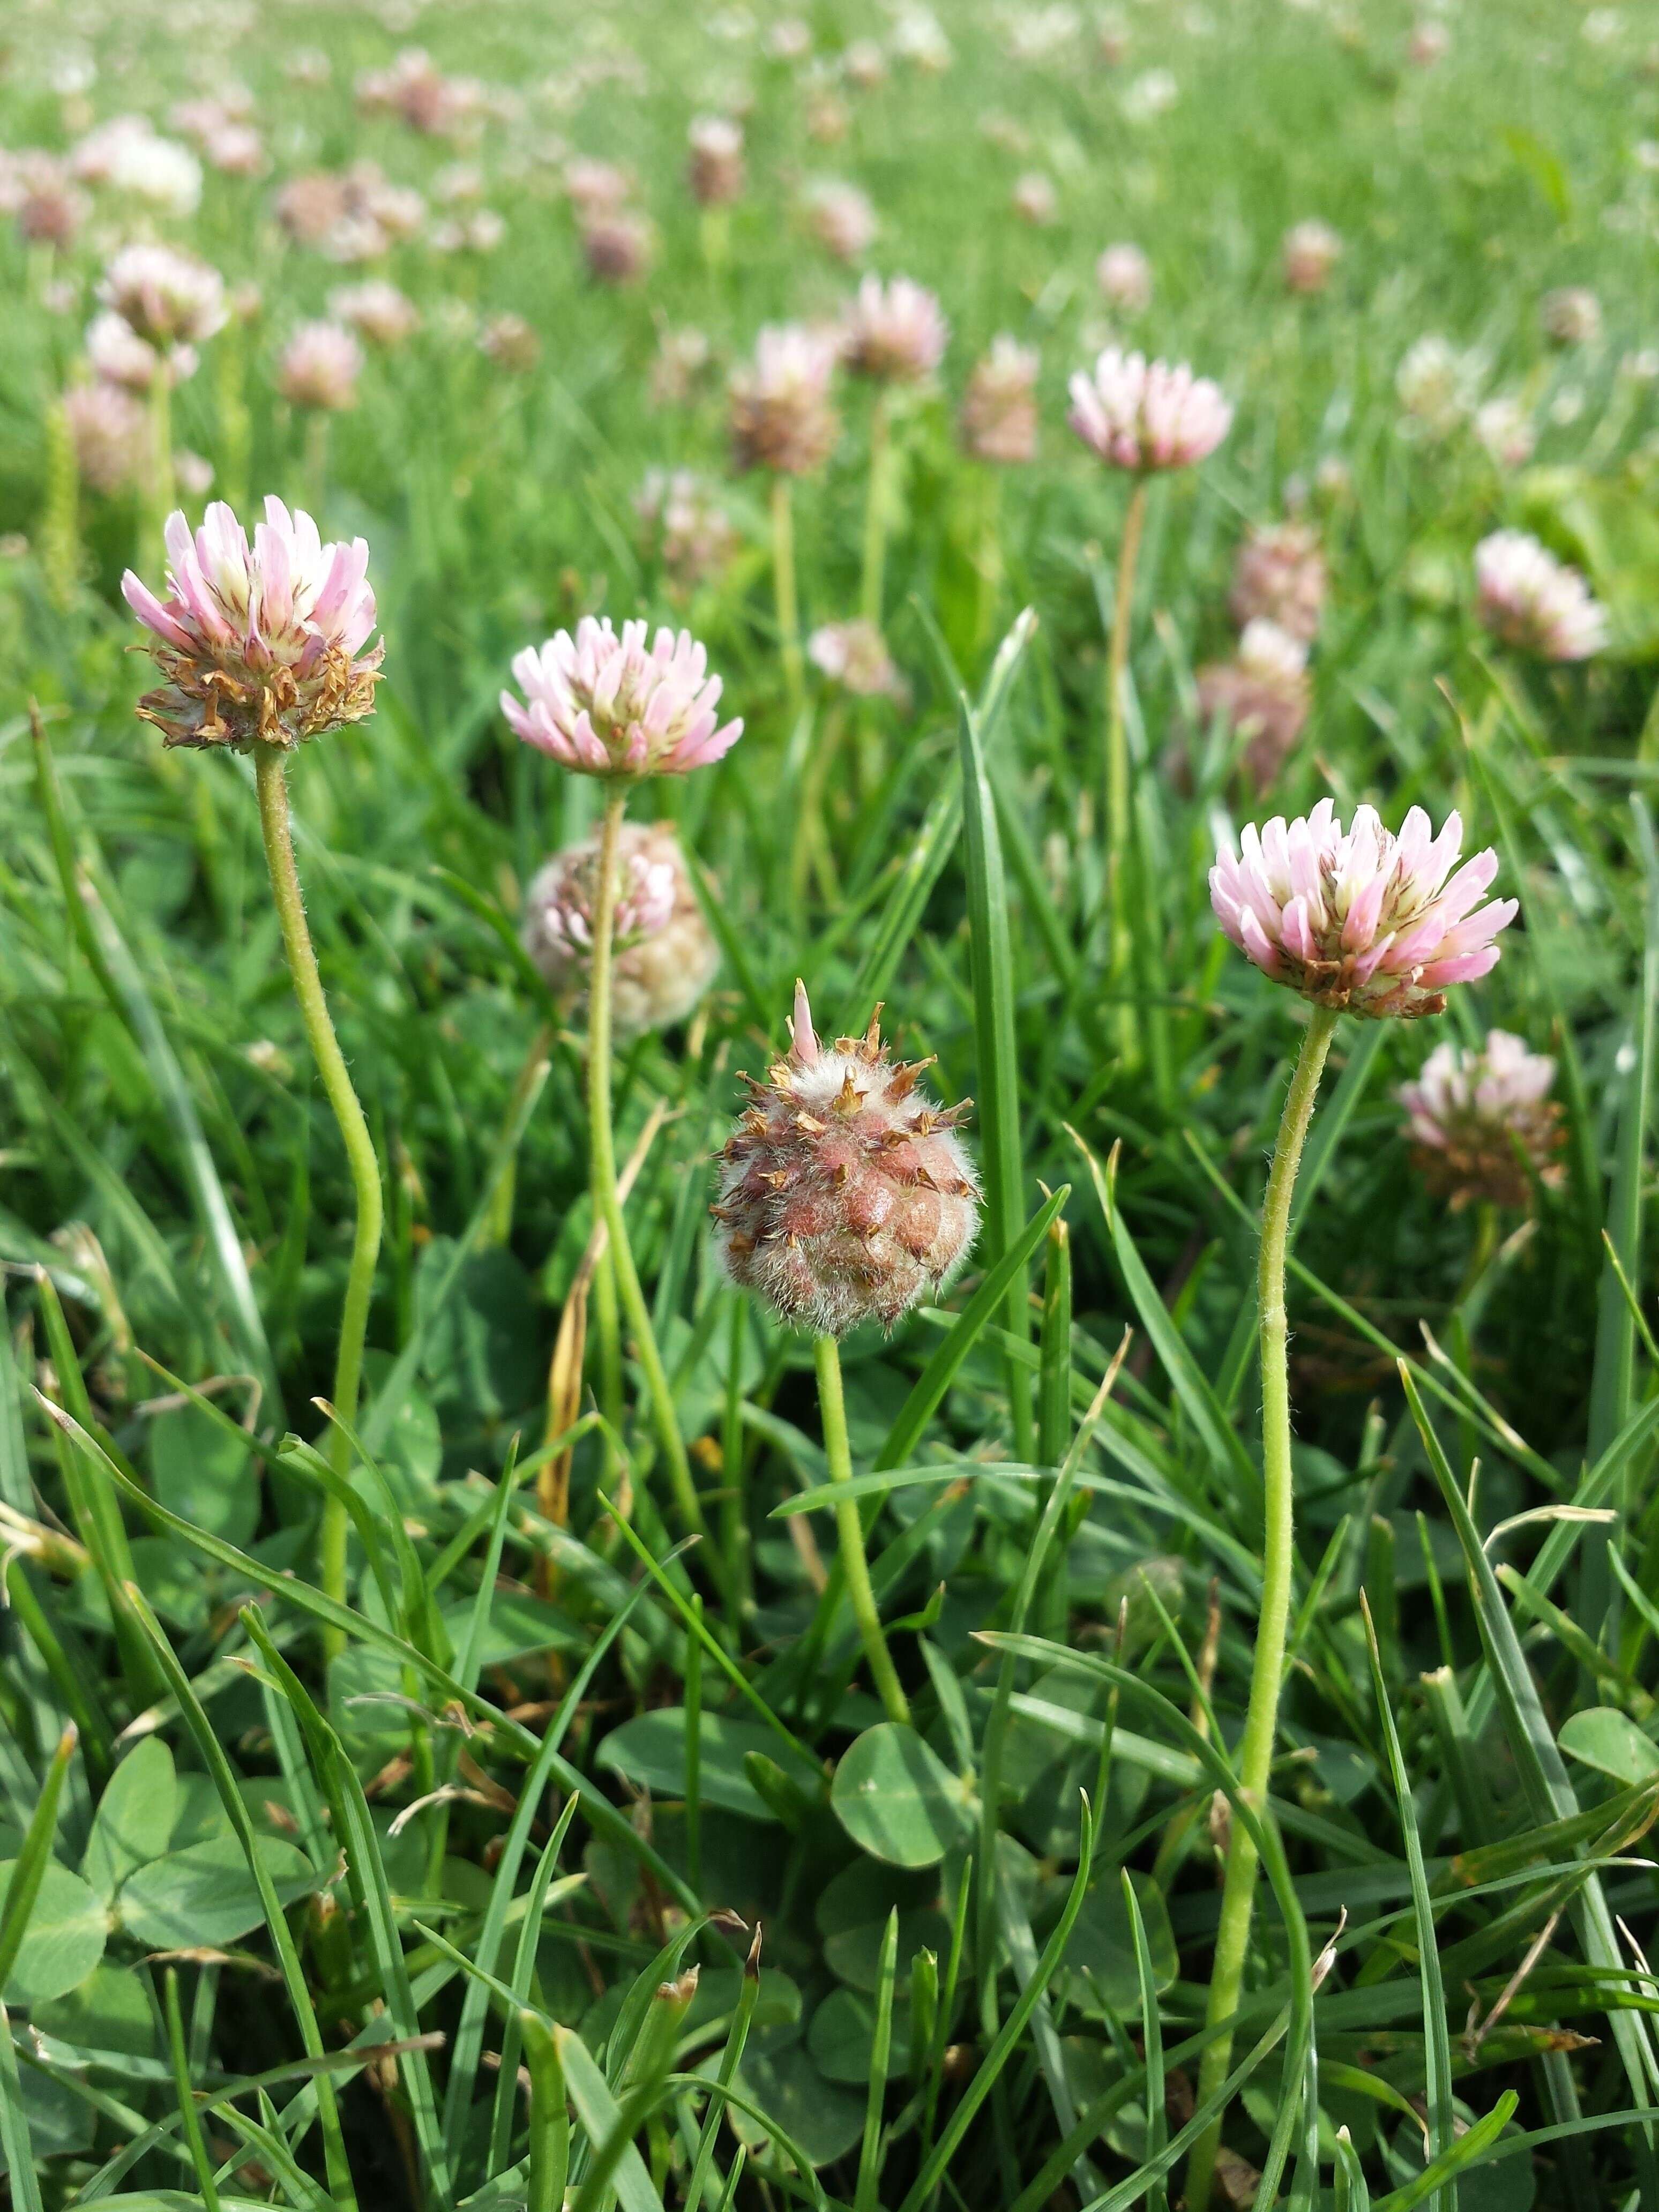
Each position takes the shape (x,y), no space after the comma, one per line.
(845,1194)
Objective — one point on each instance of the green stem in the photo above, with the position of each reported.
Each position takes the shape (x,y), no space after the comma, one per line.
(316,466)
(875,513)
(1279,1557)
(783,585)
(832,1406)
(1119,829)
(270,770)
(160,446)
(603,1157)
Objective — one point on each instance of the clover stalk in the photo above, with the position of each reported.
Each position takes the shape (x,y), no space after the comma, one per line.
(855,1565)
(1118,826)
(1278,1559)
(602,1163)
(271,774)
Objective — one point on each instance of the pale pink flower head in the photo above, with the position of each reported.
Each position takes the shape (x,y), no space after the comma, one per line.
(167,297)
(596,187)
(259,645)
(998,421)
(1125,277)
(50,208)
(1147,415)
(1533,602)
(1262,694)
(1483,1124)
(117,354)
(840,218)
(845,1194)
(1365,923)
(1036,200)
(376,310)
(310,205)
(1502,427)
(109,429)
(611,705)
(684,525)
(683,356)
(618,246)
(1429,44)
(854,656)
(152,171)
(236,149)
(1571,316)
(1279,573)
(895,332)
(716,165)
(320,367)
(1308,254)
(1437,386)
(667,955)
(781,415)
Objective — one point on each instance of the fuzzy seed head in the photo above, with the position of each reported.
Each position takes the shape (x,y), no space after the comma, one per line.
(845,1194)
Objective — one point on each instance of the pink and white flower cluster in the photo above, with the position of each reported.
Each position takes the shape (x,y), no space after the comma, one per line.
(610,705)
(1483,1123)
(895,332)
(1533,602)
(1145,416)
(260,644)
(1365,922)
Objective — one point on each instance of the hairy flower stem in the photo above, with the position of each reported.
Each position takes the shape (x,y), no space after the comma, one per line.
(602,1158)
(783,585)
(832,1407)
(1261,1716)
(270,770)
(1119,825)
(875,514)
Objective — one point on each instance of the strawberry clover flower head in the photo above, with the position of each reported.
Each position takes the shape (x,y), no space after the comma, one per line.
(1145,416)
(610,705)
(1483,1123)
(1365,923)
(168,297)
(1533,602)
(895,332)
(259,645)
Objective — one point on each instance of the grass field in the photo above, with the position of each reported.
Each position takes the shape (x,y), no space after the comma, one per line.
(906,1692)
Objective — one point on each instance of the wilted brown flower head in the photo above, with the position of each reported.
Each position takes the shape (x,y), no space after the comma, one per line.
(618,246)
(665,953)
(1278,574)
(845,1194)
